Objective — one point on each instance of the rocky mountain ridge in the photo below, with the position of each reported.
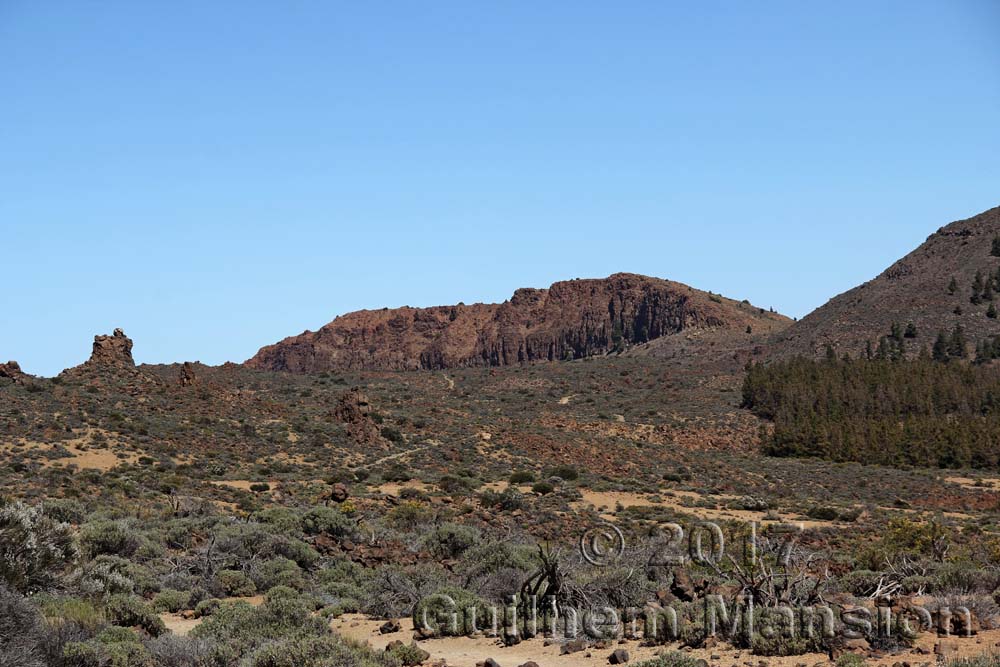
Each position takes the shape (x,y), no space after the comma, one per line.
(932,288)
(571,319)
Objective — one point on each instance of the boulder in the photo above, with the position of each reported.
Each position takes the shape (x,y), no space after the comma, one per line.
(574,646)
(618,657)
(339,493)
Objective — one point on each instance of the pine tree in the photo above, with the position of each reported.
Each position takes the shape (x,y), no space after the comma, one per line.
(869,352)
(911,330)
(896,332)
(899,350)
(831,355)
(991,312)
(883,349)
(988,291)
(995,251)
(940,352)
(956,346)
(977,289)
(952,286)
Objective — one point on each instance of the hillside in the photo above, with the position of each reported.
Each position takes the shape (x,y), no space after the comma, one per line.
(919,289)
(570,320)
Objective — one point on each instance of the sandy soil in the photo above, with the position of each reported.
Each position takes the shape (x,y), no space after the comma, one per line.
(393,488)
(467,651)
(85,455)
(606,502)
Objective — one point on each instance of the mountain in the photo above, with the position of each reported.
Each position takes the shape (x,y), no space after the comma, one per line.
(570,320)
(919,289)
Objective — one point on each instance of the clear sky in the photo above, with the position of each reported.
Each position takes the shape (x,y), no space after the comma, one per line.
(215,176)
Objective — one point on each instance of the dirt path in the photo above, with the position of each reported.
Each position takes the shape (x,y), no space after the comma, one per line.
(392,457)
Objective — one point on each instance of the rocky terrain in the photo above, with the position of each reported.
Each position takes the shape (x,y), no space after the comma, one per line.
(918,288)
(570,320)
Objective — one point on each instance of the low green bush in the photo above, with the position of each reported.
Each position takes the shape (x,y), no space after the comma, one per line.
(130,611)
(171,600)
(235,583)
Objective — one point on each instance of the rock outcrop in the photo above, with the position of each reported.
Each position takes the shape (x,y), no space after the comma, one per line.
(187,376)
(354,410)
(114,351)
(569,320)
(12,370)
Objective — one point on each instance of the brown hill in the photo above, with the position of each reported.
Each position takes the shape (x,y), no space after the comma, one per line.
(569,320)
(914,289)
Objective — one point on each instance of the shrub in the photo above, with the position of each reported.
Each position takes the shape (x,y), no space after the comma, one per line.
(409,514)
(260,487)
(278,572)
(115,647)
(327,521)
(782,644)
(317,652)
(245,629)
(982,660)
(543,488)
(174,651)
(235,584)
(65,510)
(566,472)
(21,632)
(408,655)
(108,537)
(206,607)
(130,611)
(392,592)
(109,575)
(450,540)
(81,613)
(822,513)
(284,519)
(508,500)
(392,434)
(171,600)
(453,484)
(522,477)
(34,549)
(860,583)
(850,660)
(672,659)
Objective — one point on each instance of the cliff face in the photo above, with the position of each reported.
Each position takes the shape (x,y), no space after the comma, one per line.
(930,287)
(569,320)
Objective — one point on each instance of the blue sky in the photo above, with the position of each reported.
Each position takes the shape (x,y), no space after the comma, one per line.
(215,176)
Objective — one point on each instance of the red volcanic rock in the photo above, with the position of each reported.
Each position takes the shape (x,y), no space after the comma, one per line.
(569,320)
(113,350)
(355,410)
(12,370)
(188,376)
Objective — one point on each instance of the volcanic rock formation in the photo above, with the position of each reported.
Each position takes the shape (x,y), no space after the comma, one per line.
(569,320)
